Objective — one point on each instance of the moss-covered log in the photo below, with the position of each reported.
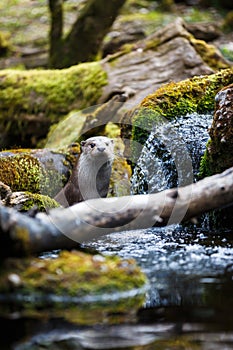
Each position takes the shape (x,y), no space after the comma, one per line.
(31,101)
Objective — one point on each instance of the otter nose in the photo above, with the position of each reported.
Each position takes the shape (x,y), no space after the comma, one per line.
(101,149)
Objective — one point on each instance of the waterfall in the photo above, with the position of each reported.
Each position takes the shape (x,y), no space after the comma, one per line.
(171,155)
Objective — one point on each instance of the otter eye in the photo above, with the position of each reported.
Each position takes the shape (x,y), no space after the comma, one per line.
(92,145)
(106,143)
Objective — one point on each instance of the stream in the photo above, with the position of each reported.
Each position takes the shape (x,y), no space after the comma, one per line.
(189,300)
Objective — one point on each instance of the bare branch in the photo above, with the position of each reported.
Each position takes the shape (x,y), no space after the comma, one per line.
(64,228)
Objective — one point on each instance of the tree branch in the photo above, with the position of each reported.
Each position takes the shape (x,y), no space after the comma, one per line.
(64,228)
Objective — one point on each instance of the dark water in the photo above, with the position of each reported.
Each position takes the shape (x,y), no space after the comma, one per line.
(189,303)
(191,284)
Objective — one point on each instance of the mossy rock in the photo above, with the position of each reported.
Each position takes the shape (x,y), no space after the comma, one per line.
(228,22)
(36,171)
(172,100)
(121,170)
(120,178)
(219,151)
(218,155)
(25,201)
(50,91)
(209,54)
(72,279)
(67,131)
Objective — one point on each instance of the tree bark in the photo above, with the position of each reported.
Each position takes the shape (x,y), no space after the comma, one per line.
(65,228)
(56,30)
(83,42)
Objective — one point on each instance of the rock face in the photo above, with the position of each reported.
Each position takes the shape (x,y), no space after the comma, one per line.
(170,54)
(219,153)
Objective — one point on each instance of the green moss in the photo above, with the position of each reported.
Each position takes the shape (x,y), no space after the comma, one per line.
(21,172)
(66,131)
(215,159)
(176,99)
(51,91)
(24,170)
(22,237)
(228,22)
(227,52)
(42,202)
(196,14)
(43,97)
(74,287)
(209,54)
(74,274)
(205,165)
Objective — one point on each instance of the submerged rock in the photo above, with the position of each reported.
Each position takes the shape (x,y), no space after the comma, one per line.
(71,280)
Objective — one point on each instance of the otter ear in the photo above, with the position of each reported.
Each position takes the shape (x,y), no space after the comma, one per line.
(112,141)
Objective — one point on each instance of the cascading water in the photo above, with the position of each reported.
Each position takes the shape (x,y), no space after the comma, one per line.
(171,155)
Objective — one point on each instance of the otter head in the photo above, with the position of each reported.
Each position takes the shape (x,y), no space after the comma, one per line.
(99,147)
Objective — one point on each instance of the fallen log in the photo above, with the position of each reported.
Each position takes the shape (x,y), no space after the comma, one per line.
(65,228)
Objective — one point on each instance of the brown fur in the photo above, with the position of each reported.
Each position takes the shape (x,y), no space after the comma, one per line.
(91,174)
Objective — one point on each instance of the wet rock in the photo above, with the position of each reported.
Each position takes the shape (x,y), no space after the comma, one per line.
(171,53)
(70,283)
(204,31)
(219,153)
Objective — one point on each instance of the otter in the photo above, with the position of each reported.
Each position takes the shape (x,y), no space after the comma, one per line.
(91,174)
